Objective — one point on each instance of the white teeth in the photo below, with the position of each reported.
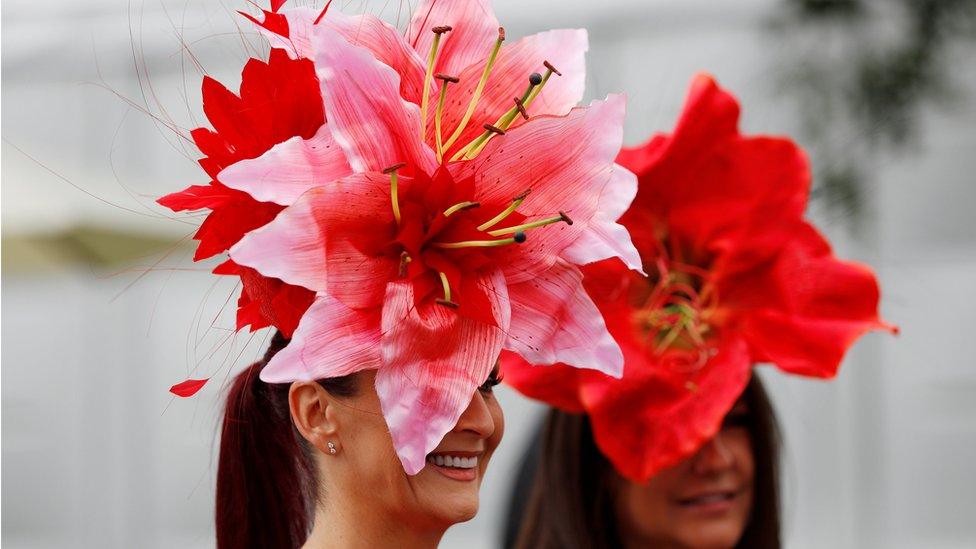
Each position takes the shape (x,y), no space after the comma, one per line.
(453,461)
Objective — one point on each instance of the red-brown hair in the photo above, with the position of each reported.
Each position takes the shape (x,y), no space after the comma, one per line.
(266,476)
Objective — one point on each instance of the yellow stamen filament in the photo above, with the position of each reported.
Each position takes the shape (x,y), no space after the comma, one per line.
(477,91)
(532,225)
(394,195)
(460,206)
(431,59)
(438,134)
(505,121)
(474,244)
(446,285)
(516,202)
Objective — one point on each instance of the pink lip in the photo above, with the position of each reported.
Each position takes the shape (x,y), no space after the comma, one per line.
(455,473)
(709,503)
(465,475)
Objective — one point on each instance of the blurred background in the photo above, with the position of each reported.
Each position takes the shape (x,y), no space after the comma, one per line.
(103,309)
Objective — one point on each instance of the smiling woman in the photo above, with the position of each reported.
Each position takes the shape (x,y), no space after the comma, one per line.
(724,495)
(736,276)
(310,464)
(401,207)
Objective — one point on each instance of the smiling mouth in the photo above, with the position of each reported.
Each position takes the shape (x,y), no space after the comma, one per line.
(454,465)
(712,501)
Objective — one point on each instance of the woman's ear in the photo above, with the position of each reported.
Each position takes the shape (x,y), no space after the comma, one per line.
(313,410)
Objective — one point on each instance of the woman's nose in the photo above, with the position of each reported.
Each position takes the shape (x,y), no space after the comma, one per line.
(713,457)
(476,418)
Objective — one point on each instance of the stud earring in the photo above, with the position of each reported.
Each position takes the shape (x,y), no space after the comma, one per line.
(332,448)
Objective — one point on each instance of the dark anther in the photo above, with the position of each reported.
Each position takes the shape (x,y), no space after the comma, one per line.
(522,195)
(493,129)
(519,237)
(501,33)
(535,79)
(446,303)
(565,217)
(549,66)
(442,29)
(394,168)
(521,108)
(447,78)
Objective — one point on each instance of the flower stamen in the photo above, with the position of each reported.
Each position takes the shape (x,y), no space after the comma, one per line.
(536,82)
(467,204)
(517,238)
(534,224)
(394,197)
(431,59)
(445,79)
(516,202)
(476,96)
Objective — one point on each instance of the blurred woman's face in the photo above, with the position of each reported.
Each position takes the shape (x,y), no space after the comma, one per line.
(445,491)
(703,502)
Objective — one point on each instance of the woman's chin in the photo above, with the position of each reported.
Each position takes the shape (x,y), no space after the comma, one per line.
(450,500)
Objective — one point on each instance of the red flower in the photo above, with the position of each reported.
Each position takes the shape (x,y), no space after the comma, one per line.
(279,99)
(736,276)
(478,189)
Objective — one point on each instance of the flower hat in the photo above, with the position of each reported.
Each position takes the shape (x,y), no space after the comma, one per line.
(415,204)
(736,276)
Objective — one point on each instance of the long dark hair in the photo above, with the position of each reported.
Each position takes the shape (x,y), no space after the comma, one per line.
(564,493)
(266,476)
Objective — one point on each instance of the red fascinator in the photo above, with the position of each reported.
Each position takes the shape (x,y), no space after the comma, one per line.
(415,203)
(736,276)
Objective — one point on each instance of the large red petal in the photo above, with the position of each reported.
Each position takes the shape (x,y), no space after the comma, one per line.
(556,384)
(653,417)
(807,308)
(713,189)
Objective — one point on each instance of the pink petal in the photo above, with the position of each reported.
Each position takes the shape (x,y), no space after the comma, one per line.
(565,49)
(566,162)
(369,119)
(384,41)
(339,229)
(433,362)
(289,169)
(291,247)
(605,237)
(387,45)
(554,320)
(475,29)
(332,340)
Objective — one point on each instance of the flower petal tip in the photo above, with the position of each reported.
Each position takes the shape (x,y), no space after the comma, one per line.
(188,388)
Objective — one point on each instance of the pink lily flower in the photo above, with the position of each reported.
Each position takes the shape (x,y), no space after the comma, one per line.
(442,212)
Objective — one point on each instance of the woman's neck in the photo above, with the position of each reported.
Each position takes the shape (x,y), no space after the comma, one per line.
(338,526)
